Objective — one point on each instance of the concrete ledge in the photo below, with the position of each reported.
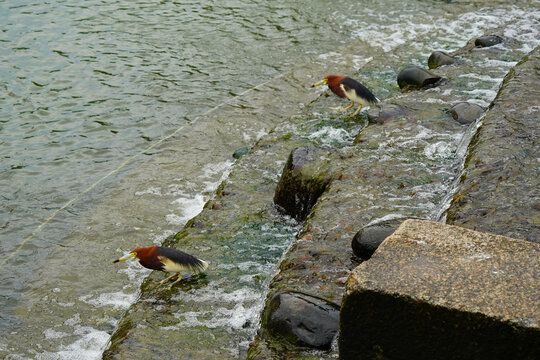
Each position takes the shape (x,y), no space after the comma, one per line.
(434,291)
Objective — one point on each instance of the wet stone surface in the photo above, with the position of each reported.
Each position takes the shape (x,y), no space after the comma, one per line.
(440,58)
(402,167)
(304,179)
(301,320)
(368,239)
(465,113)
(216,314)
(413,78)
(500,188)
(431,290)
(488,40)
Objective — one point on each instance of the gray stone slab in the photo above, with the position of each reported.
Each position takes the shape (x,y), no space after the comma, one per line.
(435,291)
(499,191)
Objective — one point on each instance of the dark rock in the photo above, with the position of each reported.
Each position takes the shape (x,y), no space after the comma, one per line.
(240,152)
(303,180)
(439,58)
(413,78)
(380,115)
(465,113)
(368,239)
(488,40)
(301,320)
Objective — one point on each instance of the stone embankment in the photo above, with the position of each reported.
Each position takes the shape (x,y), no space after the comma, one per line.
(366,197)
(432,291)
(404,164)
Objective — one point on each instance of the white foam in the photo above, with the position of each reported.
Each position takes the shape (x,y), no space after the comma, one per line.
(151,190)
(329,55)
(329,135)
(188,207)
(52,334)
(88,346)
(223,168)
(214,293)
(439,149)
(117,300)
(234,318)
(209,170)
(481,77)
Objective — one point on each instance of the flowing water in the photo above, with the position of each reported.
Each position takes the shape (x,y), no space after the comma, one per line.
(111,135)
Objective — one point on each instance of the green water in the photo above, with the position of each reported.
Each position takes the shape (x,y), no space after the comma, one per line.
(86,87)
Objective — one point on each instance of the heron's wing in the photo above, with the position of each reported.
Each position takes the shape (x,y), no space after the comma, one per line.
(361,91)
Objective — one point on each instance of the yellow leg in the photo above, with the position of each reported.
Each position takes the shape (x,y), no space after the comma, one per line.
(177,280)
(357,110)
(167,279)
(348,107)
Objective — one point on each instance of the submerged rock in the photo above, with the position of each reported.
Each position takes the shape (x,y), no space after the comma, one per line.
(439,58)
(488,40)
(413,78)
(241,152)
(303,180)
(380,115)
(465,113)
(368,239)
(300,319)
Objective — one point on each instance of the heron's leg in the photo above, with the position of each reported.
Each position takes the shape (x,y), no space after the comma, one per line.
(167,279)
(347,108)
(177,280)
(357,110)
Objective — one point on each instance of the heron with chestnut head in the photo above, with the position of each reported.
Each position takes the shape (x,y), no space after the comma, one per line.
(167,260)
(348,88)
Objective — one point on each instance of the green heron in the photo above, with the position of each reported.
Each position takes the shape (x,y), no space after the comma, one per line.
(348,88)
(166,259)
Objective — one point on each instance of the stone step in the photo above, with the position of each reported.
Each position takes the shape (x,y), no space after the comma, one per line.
(499,190)
(435,291)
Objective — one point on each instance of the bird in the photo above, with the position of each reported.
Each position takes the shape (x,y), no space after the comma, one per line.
(348,88)
(168,260)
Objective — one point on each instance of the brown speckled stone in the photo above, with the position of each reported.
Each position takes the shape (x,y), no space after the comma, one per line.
(435,291)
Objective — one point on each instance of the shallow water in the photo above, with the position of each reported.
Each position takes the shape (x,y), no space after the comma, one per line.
(88,88)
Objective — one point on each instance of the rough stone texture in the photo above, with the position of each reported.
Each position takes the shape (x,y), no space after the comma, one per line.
(500,188)
(301,319)
(386,172)
(434,291)
(465,113)
(303,180)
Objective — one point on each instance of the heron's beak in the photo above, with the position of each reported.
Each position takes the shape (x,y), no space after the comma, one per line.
(322,82)
(125,257)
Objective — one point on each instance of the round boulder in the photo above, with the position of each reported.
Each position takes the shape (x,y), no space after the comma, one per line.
(368,239)
(439,58)
(413,78)
(380,115)
(488,40)
(465,113)
(301,320)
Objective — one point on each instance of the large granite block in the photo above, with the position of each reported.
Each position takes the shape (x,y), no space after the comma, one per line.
(435,291)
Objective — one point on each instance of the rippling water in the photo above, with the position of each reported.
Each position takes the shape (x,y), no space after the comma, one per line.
(87,86)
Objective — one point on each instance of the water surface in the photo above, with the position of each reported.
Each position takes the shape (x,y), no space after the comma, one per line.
(87,87)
